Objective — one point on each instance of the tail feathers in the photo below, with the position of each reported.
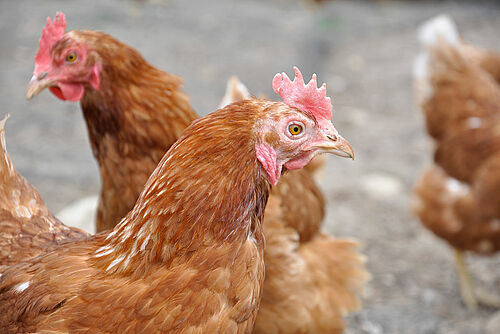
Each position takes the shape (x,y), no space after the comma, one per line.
(27,227)
(235,91)
(433,34)
(17,195)
(433,202)
(337,269)
(439,28)
(6,167)
(309,286)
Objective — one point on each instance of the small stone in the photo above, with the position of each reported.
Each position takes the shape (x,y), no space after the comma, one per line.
(429,296)
(371,327)
(381,185)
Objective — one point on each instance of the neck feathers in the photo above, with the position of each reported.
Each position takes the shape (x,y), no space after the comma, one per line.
(134,117)
(135,102)
(209,189)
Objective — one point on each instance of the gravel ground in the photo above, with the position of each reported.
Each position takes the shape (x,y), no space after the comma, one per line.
(363,50)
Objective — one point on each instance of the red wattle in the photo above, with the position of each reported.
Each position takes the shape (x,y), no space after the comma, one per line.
(57,92)
(71,92)
(299,162)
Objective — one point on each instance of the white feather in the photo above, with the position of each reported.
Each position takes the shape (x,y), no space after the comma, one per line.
(441,26)
(21,287)
(430,34)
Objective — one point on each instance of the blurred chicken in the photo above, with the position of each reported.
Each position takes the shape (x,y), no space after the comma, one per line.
(459,198)
(132,111)
(27,228)
(189,256)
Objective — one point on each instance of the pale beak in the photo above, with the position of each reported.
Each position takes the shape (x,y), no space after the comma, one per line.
(37,84)
(337,145)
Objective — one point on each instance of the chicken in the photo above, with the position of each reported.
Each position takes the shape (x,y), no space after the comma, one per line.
(459,197)
(126,103)
(27,228)
(189,256)
(300,203)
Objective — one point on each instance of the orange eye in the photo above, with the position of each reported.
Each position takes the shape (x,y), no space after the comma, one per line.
(295,129)
(71,57)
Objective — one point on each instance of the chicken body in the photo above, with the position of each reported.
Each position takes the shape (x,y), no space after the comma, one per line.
(70,290)
(189,256)
(462,115)
(459,197)
(27,228)
(137,113)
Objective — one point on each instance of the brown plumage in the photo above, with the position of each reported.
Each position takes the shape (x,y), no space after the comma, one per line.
(27,228)
(488,60)
(309,286)
(461,90)
(138,111)
(125,120)
(459,197)
(449,209)
(187,258)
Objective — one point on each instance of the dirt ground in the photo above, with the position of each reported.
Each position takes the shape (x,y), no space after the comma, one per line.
(363,50)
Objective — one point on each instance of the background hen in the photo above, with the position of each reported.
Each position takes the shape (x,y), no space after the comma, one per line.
(459,198)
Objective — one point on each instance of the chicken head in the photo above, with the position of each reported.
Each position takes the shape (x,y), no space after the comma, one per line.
(302,130)
(63,64)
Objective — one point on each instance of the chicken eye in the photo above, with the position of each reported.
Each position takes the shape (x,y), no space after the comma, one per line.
(71,57)
(295,129)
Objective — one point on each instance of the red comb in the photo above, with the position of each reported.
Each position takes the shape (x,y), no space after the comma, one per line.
(304,97)
(51,33)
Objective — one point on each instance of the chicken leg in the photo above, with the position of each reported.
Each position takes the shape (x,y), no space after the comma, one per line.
(472,296)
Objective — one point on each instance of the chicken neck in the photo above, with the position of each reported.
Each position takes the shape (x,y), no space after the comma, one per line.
(219,200)
(134,117)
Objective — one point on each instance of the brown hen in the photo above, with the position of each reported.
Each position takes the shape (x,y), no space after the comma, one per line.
(459,197)
(189,256)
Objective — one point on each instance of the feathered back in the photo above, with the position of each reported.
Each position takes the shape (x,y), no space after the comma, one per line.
(6,168)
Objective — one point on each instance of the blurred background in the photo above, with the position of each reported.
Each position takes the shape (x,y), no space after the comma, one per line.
(363,50)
